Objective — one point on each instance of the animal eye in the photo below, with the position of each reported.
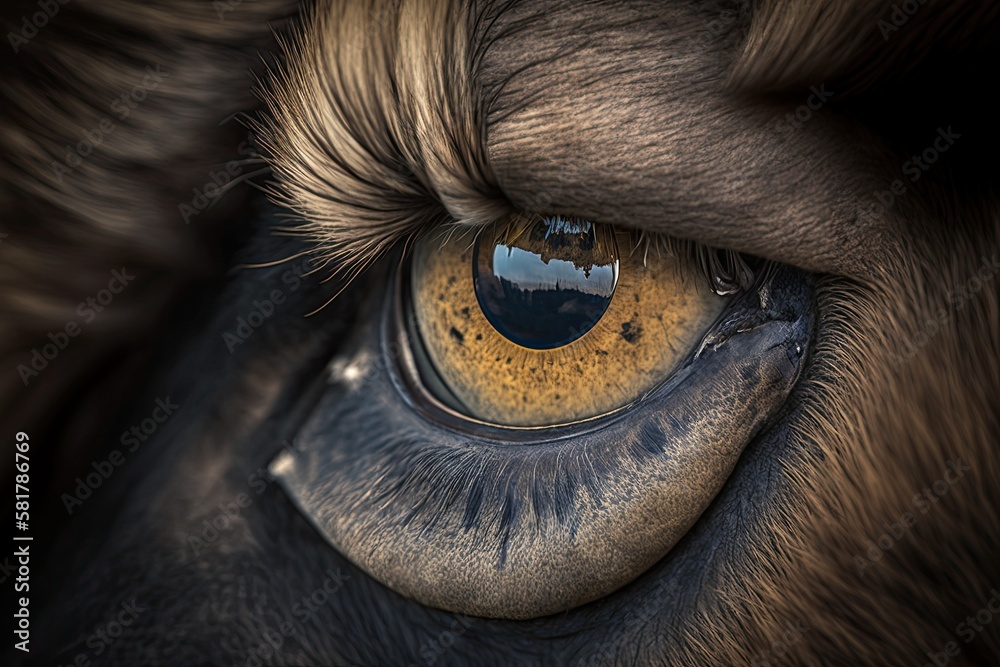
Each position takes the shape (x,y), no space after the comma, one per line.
(536,413)
(552,321)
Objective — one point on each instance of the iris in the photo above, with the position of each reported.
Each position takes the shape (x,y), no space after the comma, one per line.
(547,284)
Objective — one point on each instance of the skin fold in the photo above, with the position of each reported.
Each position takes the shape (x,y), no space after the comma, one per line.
(606,536)
(848,144)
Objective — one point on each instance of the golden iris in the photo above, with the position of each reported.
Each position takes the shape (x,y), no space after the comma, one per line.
(544,323)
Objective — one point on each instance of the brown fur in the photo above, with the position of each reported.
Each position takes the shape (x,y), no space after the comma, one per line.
(885,432)
(120,206)
(886,424)
(377,129)
(881,430)
(792,45)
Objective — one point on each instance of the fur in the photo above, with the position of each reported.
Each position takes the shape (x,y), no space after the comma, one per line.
(906,375)
(67,230)
(377,130)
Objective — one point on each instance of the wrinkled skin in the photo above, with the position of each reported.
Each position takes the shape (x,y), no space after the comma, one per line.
(776,569)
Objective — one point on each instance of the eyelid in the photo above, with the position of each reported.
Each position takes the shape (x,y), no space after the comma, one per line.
(667,147)
(469,521)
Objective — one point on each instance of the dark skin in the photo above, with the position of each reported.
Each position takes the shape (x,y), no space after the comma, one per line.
(271,550)
(268,586)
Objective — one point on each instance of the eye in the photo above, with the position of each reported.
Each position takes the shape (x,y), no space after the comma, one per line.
(554,321)
(520,428)
(522,421)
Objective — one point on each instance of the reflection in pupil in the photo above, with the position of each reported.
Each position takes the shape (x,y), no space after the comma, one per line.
(546,285)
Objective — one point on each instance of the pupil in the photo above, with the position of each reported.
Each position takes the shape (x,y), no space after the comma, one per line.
(550,284)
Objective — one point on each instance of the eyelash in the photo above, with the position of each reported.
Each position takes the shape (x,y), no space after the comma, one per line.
(435,480)
(726,271)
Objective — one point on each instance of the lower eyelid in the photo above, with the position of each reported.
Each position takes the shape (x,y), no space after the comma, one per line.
(466,523)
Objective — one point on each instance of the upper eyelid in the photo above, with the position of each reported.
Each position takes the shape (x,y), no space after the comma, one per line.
(643,128)
(355,195)
(367,154)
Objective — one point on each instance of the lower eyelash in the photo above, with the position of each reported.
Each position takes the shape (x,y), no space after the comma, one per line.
(495,496)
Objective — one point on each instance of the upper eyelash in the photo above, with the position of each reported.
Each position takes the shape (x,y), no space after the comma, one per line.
(726,271)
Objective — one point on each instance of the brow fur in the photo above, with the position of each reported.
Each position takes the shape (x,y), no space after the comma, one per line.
(877,431)
(375,128)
